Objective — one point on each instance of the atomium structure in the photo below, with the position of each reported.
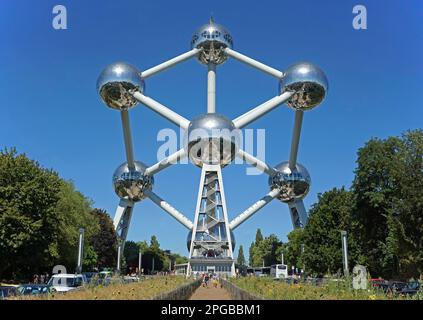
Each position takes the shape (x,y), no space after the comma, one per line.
(212,141)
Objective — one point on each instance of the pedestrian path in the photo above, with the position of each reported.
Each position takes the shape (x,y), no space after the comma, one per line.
(210,293)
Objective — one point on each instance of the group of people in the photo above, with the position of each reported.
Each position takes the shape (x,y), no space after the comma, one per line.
(212,278)
(40,278)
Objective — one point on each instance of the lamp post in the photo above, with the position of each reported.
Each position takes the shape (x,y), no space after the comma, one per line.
(345,252)
(80,250)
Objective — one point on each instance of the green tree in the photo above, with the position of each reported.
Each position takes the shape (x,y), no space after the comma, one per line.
(293,249)
(130,253)
(29,228)
(241,258)
(388,185)
(322,234)
(104,241)
(259,236)
(73,211)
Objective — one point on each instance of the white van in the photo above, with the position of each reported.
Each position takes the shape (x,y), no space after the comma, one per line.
(63,282)
(279,271)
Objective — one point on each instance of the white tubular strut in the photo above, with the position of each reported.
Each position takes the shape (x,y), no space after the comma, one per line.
(261,165)
(254,63)
(167,162)
(253,209)
(261,110)
(165,112)
(127,137)
(295,139)
(169,209)
(170,63)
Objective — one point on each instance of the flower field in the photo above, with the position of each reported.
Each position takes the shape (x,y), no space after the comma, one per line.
(279,290)
(143,290)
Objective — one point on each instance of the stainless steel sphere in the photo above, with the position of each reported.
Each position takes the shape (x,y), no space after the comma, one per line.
(309,84)
(212,38)
(212,139)
(116,84)
(294,184)
(224,238)
(131,184)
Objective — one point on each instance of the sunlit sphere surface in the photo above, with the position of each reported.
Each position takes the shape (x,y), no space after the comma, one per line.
(294,184)
(116,84)
(309,84)
(131,184)
(212,139)
(204,237)
(212,38)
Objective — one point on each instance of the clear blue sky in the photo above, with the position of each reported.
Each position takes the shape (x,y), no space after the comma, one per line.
(51,111)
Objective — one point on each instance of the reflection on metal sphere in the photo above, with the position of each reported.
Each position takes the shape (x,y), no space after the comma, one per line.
(212,38)
(212,139)
(131,184)
(309,84)
(116,84)
(294,185)
(223,233)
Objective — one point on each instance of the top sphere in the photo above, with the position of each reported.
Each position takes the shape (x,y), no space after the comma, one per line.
(116,84)
(308,82)
(212,38)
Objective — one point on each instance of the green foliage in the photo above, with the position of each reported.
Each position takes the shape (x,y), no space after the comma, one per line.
(162,258)
(389,206)
(240,257)
(29,225)
(104,241)
(322,234)
(265,250)
(40,218)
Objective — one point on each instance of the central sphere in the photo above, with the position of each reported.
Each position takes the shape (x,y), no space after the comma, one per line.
(131,183)
(212,139)
(294,184)
(212,39)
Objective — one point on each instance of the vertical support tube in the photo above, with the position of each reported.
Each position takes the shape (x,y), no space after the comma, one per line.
(80,250)
(127,138)
(211,88)
(345,252)
(295,139)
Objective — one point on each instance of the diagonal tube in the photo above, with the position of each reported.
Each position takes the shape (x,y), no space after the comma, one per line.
(261,110)
(261,165)
(254,63)
(162,110)
(170,63)
(295,139)
(253,209)
(163,164)
(169,209)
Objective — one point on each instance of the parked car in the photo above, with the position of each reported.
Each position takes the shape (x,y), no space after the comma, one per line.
(8,291)
(377,283)
(411,288)
(396,287)
(90,275)
(33,289)
(63,282)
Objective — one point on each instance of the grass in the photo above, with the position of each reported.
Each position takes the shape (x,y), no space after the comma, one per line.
(143,290)
(341,290)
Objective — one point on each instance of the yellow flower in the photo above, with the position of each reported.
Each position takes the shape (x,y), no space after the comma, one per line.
(372,297)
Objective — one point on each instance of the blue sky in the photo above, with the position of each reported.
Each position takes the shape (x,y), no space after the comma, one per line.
(51,111)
